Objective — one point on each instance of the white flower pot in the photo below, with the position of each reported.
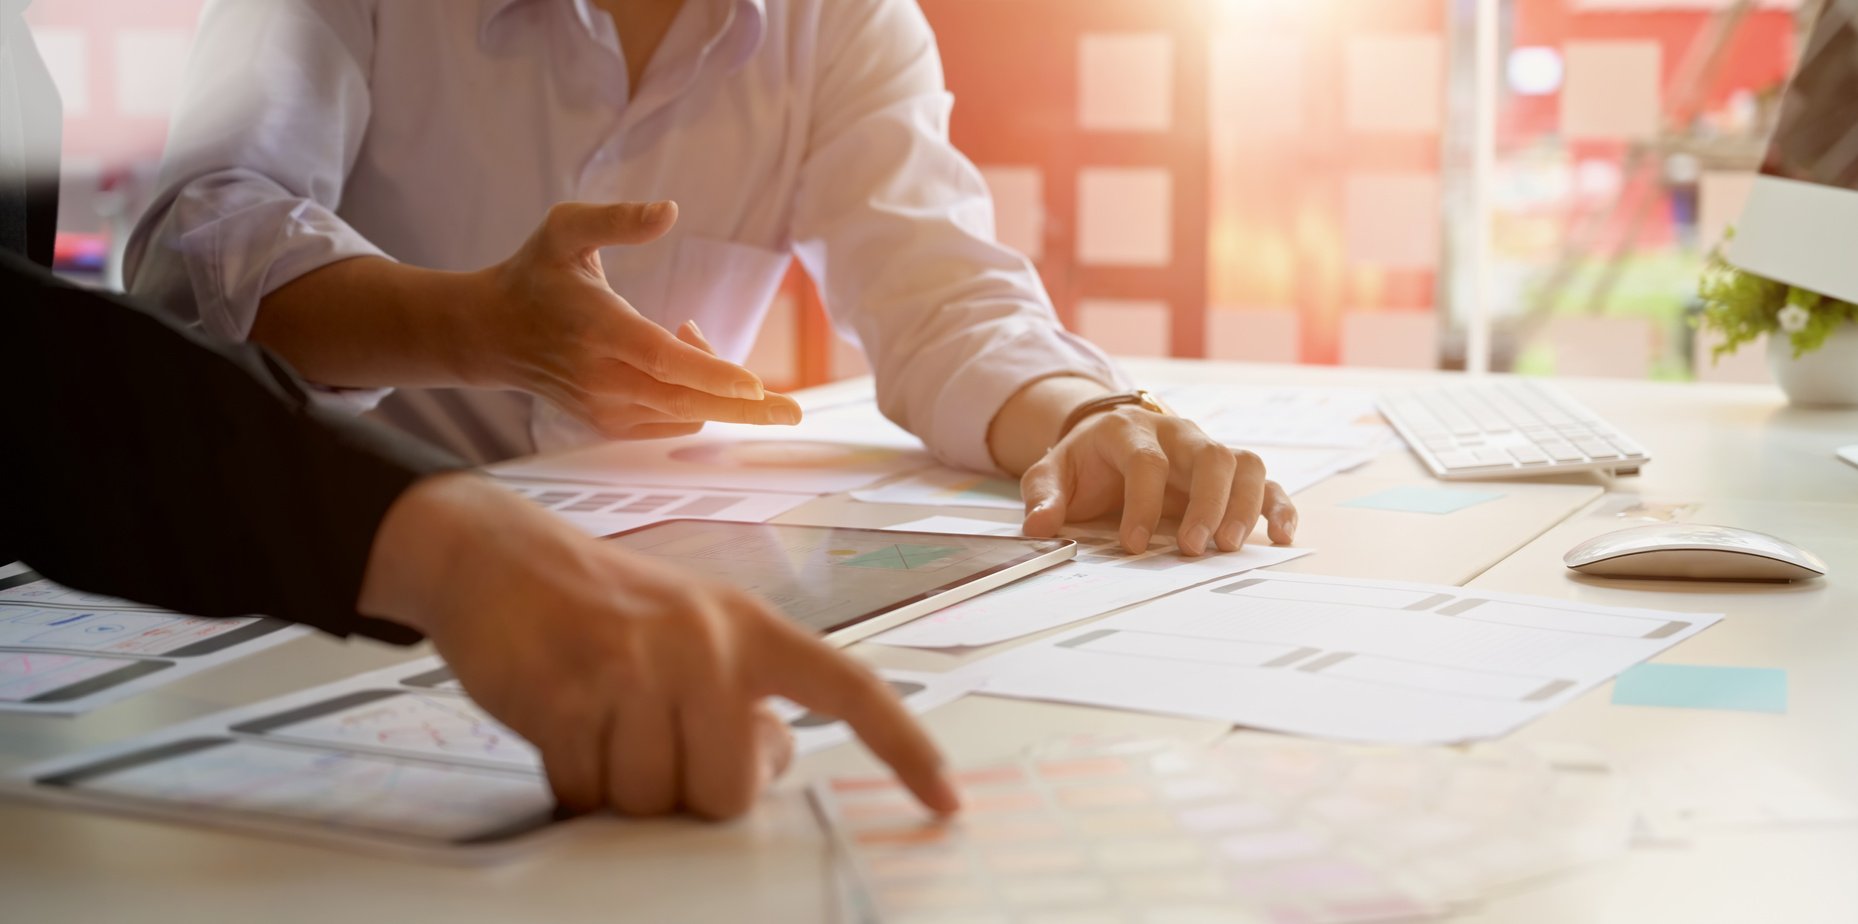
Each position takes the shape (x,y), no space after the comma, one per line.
(1826,377)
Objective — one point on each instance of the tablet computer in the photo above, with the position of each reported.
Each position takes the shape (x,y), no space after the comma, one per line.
(846,583)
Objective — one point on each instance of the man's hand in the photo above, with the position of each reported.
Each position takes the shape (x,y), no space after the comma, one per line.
(1151,465)
(641,685)
(1148,465)
(555,329)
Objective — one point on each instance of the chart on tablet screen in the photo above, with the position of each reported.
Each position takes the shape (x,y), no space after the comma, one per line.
(894,557)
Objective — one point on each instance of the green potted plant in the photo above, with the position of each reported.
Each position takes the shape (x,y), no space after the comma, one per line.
(1812,338)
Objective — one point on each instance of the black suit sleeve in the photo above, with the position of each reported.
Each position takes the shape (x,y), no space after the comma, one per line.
(143,462)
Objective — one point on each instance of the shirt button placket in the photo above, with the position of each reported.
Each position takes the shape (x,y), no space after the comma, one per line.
(599,173)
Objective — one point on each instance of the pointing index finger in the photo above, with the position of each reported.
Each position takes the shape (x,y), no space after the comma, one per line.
(803,669)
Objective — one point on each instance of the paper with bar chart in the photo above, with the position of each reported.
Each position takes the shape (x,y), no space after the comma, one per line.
(610,509)
(1373,661)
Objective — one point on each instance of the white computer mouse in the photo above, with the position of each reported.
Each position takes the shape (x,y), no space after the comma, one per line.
(1696,552)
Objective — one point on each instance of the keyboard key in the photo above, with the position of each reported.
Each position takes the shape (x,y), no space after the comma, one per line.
(1458,458)
(1529,455)
(1596,448)
(1562,452)
(1491,456)
(1625,446)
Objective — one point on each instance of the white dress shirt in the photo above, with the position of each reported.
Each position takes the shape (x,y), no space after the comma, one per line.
(439,132)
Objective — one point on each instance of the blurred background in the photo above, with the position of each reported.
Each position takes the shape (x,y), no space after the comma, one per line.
(1285,181)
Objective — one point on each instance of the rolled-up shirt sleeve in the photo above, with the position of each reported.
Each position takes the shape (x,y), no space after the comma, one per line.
(897,228)
(272,113)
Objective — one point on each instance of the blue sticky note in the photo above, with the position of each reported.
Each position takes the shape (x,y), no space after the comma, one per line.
(1423,499)
(1692,686)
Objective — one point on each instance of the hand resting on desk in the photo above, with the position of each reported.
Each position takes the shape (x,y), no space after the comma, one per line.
(641,686)
(1148,465)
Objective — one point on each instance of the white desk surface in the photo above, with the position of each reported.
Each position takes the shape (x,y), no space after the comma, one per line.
(1737,450)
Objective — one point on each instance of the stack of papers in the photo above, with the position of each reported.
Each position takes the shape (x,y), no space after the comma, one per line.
(1293,468)
(1370,661)
(1297,468)
(1250,415)
(1103,577)
(1260,828)
(1304,435)
(399,760)
(65,652)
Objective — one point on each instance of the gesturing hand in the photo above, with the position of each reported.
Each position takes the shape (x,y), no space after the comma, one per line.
(559,331)
(641,685)
(1152,465)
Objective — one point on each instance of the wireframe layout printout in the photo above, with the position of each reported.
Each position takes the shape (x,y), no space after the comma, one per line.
(458,727)
(65,651)
(1102,577)
(395,758)
(398,759)
(1373,661)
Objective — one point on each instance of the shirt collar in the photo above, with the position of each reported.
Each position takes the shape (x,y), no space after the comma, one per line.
(751,26)
(487,13)
(743,38)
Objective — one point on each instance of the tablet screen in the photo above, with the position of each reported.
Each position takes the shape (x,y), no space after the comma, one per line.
(828,577)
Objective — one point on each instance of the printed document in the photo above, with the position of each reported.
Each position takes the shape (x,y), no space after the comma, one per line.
(397,760)
(1103,577)
(1370,661)
(65,652)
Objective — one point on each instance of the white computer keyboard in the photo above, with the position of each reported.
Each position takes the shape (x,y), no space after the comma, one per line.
(1507,428)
